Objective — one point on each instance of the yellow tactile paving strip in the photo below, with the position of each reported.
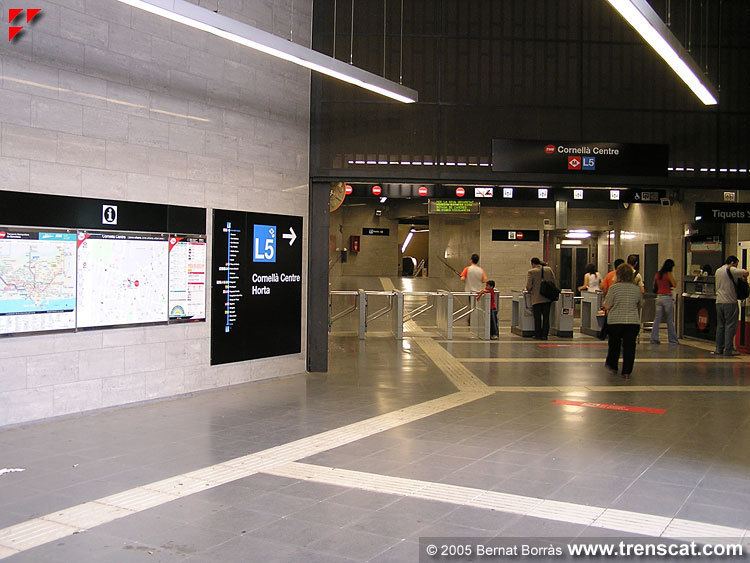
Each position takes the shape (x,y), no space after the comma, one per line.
(600,517)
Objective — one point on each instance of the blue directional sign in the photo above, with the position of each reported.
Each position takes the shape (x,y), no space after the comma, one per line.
(264,243)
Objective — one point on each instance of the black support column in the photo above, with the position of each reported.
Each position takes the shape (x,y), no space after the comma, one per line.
(317,278)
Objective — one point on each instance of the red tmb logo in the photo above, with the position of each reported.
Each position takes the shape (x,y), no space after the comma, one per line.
(549,149)
(574,163)
(15,31)
(702,320)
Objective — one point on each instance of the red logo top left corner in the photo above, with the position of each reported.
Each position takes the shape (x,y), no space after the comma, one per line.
(549,149)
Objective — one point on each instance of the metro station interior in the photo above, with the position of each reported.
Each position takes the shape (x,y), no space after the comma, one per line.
(239,319)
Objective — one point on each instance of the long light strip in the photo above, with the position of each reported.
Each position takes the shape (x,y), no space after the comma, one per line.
(648,24)
(200,18)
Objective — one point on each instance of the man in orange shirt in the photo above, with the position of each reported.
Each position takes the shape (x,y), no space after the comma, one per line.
(610,278)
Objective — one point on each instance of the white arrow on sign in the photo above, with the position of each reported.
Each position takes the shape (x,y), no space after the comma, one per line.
(291,235)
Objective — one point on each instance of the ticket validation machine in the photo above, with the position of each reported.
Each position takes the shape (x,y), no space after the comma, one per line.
(591,319)
(562,315)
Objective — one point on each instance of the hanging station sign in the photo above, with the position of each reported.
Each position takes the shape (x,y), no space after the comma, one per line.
(502,235)
(376,231)
(461,206)
(578,158)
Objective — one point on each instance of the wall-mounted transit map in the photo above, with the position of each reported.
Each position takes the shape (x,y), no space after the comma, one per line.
(37,280)
(123,278)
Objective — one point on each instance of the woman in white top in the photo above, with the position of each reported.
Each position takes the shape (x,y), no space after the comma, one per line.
(591,280)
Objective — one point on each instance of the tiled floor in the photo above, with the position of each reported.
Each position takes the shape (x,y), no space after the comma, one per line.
(691,463)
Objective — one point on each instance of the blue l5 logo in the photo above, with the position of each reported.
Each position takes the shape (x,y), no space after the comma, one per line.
(589,163)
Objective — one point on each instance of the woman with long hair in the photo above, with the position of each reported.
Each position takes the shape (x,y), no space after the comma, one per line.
(591,279)
(663,285)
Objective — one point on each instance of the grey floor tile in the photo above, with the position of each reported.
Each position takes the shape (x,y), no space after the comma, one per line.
(394,524)
(333,514)
(294,531)
(247,548)
(489,521)
(235,520)
(347,541)
(399,553)
(429,510)
(540,528)
(278,504)
(364,499)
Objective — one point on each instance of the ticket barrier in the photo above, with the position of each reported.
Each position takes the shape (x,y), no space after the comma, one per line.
(522,314)
(562,315)
(394,306)
(480,318)
(444,313)
(591,320)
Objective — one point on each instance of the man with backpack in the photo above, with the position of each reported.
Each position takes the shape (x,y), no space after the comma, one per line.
(542,285)
(731,286)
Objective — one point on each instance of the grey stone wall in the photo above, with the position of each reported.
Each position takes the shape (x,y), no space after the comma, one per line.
(99,99)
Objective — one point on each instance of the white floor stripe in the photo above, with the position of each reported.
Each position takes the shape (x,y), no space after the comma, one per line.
(739,360)
(600,517)
(624,389)
(56,525)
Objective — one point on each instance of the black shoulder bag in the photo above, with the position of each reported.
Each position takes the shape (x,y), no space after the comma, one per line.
(742,288)
(548,289)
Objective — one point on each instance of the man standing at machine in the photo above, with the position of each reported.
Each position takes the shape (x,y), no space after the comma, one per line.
(727,309)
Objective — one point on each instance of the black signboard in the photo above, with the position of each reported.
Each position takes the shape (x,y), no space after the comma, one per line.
(256,286)
(376,231)
(66,212)
(502,235)
(579,159)
(722,212)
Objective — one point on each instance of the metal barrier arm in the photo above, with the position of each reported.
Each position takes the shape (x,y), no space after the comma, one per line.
(424,307)
(341,314)
(385,310)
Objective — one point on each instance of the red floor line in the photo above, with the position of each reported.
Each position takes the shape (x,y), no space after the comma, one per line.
(610,406)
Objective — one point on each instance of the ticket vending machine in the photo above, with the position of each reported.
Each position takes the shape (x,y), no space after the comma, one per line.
(742,338)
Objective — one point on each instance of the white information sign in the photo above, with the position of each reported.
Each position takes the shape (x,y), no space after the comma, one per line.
(123,278)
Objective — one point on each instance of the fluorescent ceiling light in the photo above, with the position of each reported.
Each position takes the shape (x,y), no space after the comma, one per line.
(648,24)
(573,242)
(578,235)
(407,241)
(200,18)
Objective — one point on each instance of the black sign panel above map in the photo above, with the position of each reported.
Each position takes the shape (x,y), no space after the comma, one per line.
(579,159)
(256,286)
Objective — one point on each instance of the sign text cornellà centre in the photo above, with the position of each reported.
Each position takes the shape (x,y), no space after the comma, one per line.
(584,159)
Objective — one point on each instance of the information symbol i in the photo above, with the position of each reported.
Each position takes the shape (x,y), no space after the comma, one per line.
(109,215)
